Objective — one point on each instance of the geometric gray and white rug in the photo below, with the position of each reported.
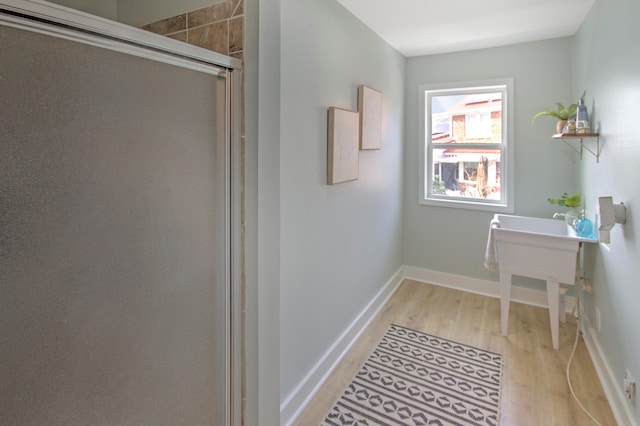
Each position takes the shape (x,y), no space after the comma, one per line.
(413,378)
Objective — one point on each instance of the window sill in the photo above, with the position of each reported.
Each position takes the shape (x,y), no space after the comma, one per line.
(459,203)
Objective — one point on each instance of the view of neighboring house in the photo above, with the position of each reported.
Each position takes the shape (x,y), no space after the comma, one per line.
(458,120)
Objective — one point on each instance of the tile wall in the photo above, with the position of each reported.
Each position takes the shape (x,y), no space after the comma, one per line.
(219,27)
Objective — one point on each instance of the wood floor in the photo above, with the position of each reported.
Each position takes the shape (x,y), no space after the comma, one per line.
(534,388)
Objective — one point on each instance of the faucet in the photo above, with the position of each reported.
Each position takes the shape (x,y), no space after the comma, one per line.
(569,216)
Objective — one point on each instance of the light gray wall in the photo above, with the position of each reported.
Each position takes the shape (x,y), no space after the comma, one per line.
(608,66)
(453,240)
(325,55)
(262,327)
(338,244)
(270,190)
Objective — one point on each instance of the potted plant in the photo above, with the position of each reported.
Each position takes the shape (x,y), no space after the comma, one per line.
(562,114)
(573,202)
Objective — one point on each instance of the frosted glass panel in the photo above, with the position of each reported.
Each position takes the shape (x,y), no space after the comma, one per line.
(113,257)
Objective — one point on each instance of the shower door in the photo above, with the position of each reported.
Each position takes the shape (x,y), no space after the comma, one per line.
(114,233)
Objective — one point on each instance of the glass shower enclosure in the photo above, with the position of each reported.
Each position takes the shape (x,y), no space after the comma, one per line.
(116,225)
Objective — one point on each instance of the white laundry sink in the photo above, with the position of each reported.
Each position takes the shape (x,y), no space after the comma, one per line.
(539,226)
(545,249)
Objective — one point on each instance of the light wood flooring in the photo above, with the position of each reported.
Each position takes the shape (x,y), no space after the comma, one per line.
(534,386)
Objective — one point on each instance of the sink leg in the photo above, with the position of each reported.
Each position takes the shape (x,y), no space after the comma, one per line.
(505,298)
(553,297)
(563,306)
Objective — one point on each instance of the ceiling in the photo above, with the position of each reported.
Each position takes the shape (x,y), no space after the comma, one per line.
(424,27)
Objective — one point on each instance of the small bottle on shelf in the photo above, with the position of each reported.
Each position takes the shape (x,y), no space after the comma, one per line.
(582,118)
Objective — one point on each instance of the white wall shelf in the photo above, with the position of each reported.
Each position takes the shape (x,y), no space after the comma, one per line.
(575,141)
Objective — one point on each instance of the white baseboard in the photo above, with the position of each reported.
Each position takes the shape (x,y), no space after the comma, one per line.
(615,396)
(483,287)
(297,400)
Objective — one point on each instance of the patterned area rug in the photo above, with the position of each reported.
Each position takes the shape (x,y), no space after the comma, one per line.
(412,378)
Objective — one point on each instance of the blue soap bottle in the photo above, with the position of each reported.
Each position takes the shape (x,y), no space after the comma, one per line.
(584,227)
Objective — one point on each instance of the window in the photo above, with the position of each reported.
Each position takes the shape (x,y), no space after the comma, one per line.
(477,125)
(466,147)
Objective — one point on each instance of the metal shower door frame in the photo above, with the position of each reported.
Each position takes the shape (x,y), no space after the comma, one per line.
(62,22)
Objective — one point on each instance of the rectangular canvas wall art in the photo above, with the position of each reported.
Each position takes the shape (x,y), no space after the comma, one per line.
(370,108)
(342,149)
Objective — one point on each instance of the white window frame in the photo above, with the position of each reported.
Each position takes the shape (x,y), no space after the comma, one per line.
(425,196)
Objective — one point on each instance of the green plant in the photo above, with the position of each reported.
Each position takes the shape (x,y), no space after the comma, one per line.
(571,201)
(438,186)
(562,113)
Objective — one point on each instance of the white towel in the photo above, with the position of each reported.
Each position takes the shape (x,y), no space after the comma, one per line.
(490,258)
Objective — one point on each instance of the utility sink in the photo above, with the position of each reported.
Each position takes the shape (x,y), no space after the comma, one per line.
(545,249)
(554,228)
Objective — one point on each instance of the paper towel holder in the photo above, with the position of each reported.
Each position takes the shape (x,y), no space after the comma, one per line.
(610,213)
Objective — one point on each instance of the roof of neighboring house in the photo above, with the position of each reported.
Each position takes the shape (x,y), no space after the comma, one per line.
(442,138)
(482,102)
